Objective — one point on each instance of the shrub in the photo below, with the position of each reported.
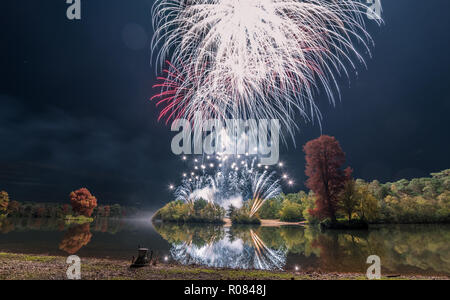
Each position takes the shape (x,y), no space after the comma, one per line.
(291,212)
(242,216)
(180,212)
(245,219)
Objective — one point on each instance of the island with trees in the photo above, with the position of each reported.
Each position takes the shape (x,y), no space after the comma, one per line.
(335,199)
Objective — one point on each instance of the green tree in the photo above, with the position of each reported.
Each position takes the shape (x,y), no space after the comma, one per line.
(291,212)
(368,204)
(231,211)
(200,204)
(349,199)
(271,208)
(4,201)
(116,210)
(308,206)
(295,198)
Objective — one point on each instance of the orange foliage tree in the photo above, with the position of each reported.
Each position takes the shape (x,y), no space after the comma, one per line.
(83,202)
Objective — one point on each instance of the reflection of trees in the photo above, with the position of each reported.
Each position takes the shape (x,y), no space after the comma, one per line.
(75,238)
(6,226)
(242,232)
(108,225)
(191,234)
(298,241)
(103,222)
(32,224)
(425,247)
(242,247)
(340,251)
(402,249)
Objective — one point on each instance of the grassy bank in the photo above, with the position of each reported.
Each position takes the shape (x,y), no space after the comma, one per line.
(69,219)
(39,267)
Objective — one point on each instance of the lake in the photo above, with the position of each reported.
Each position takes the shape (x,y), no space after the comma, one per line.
(403,249)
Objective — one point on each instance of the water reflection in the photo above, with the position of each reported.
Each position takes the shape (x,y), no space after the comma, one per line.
(105,237)
(408,249)
(76,238)
(403,249)
(109,225)
(216,246)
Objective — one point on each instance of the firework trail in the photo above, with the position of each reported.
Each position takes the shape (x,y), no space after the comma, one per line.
(255,59)
(228,181)
(263,188)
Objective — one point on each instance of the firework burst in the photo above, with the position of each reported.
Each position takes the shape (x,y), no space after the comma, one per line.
(226,181)
(255,59)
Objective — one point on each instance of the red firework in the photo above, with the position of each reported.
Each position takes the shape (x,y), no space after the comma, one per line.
(173,93)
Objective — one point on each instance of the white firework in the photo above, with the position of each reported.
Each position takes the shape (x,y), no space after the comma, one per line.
(263,188)
(232,181)
(257,59)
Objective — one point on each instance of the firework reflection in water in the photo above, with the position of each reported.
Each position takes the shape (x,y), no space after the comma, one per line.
(234,254)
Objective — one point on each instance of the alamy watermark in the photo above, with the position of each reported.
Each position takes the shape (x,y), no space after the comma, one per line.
(374,271)
(228,137)
(74,10)
(74,270)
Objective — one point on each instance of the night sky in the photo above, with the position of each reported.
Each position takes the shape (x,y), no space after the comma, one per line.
(75,109)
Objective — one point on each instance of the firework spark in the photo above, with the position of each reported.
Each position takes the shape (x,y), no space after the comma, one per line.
(255,59)
(228,181)
(263,187)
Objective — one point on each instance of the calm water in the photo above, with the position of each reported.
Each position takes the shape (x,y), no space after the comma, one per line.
(404,249)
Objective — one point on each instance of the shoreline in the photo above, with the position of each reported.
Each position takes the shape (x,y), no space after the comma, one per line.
(14,266)
(269,223)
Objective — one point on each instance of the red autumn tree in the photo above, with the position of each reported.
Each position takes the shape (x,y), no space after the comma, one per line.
(83,202)
(326,178)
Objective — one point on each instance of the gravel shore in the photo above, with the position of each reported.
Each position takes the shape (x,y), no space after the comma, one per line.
(41,267)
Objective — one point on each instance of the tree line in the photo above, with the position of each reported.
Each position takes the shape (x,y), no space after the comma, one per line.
(334,198)
(82,203)
(334,194)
